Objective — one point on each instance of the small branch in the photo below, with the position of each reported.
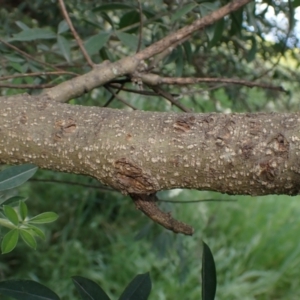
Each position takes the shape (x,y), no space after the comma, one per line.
(169,96)
(140,26)
(147,204)
(180,35)
(112,97)
(75,34)
(153,79)
(141,92)
(27,86)
(35,74)
(29,56)
(120,98)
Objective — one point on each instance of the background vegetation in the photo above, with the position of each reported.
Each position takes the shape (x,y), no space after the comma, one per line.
(99,234)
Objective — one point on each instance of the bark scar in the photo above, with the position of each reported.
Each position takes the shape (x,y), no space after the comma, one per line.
(131,178)
(147,204)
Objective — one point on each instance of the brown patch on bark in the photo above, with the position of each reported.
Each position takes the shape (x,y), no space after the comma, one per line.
(63,128)
(247,150)
(132,179)
(23,118)
(270,169)
(279,145)
(42,105)
(184,124)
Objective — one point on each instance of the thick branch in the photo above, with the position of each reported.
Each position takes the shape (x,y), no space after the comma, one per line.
(144,152)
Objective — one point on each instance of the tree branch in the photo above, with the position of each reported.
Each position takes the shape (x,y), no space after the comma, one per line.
(75,34)
(147,204)
(106,72)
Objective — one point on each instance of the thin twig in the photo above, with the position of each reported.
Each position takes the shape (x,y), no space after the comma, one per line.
(29,56)
(169,96)
(140,92)
(112,97)
(27,86)
(140,27)
(75,34)
(120,98)
(147,204)
(35,74)
(154,79)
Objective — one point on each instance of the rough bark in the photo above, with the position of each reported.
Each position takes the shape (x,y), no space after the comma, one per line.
(143,152)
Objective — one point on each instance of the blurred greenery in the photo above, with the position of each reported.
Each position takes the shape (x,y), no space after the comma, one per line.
(99,233)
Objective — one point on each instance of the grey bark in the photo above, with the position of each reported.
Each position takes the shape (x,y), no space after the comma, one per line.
(140,152)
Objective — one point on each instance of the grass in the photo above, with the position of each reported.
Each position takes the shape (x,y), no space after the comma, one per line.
(103,237)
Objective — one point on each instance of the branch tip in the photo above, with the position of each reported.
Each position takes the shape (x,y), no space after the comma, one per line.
(147,204)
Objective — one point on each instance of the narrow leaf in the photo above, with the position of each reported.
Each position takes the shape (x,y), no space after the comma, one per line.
(15,176)
(13,201)
(23,210)
(33,34)
(112,6)
(88,289)
(209,277)
(10,241)
(11,214)
(96,42)
(46,217)
(35,231)
(26,290)
(183,11)
(7,224)
(138,289)
(28,238)
(128,40)
(62,27)
(64,47)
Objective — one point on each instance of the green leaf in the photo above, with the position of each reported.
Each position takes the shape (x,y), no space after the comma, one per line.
(22,25)
(64,47)
(15,176)
(33,34)
(10,241)
(207,7)
(11,214)
(7,224)
(35,231)
(129,40)
(28,238)
(138,289)
(96,42)
(112,6)
(218,32)
(209,277)
(62,27)
(252,52)
(183,11)
(188,51)
(46,217)
(296,3)
(88,289)
(132,17)
(23,210)
(13,201)
(26,290)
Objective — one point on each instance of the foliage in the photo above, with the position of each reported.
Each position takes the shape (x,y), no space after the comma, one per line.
(14,210)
